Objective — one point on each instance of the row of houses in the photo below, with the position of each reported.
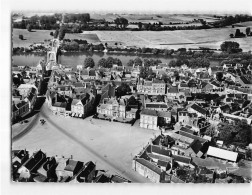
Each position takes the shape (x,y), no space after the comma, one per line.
(164,155)
(42,168)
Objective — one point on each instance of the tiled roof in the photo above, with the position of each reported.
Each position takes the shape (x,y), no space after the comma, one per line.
(158,150)
(182,159)
(159,157)
(162,163)
(199,109)
(173,90)
(194,137)
(149,112)
(153,105)
(164,114)
(149,165)
(187,130)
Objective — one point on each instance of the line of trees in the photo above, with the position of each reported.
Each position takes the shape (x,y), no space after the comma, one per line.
(229,20)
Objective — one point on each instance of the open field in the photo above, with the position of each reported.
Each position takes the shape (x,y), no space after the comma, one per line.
(146,18)
(211,38)
(30,37)
(89,36)
(41,35)
(111,145)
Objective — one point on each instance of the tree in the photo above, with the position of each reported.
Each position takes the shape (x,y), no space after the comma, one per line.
(130,62)
(122,90)
(21,37)
(238,134)
(140,25)
(248,31)
(146,73)
(29,27)
(117,61)
(89,62)
(51,33)
(219,76)
(109,62)
(62,32)
(210,131)
(121,22)
(138,61)
(56,33)
(230,46)
(102,62)
(231,35)
(172,63)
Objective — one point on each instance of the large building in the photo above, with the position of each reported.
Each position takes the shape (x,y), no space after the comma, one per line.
(154,87)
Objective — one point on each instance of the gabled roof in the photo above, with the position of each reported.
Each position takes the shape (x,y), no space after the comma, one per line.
(158,150)
(221,153)
(164,114)
(149,112)
(183,159)
(199,109)
(149,165)
(158,105)
(173,90)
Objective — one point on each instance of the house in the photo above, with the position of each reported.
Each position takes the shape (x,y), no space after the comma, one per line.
(149,119)
(31,98)
(172,92)
(222,154)
(164,117)
(154,87)
(245,81)
(67,168)
(102,179)
(158,106)
(64,90)
(32,164)
(82,108)
(47,169)
(148,170)
(118,179)
(180,140)
(86,174)
(17,161)
(195,108)
(19,109)
(182,160)
(113,108)
(24,89)
(59,108)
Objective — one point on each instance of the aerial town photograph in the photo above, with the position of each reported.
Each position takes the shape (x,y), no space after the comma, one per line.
(129,97)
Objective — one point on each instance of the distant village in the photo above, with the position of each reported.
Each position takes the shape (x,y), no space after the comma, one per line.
(189,107)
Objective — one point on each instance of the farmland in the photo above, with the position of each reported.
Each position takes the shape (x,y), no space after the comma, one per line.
(211,38)
(151,18)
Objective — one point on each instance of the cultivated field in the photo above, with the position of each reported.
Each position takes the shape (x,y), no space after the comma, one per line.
(146,18)
(40,35)
(211,38)
(29,37)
